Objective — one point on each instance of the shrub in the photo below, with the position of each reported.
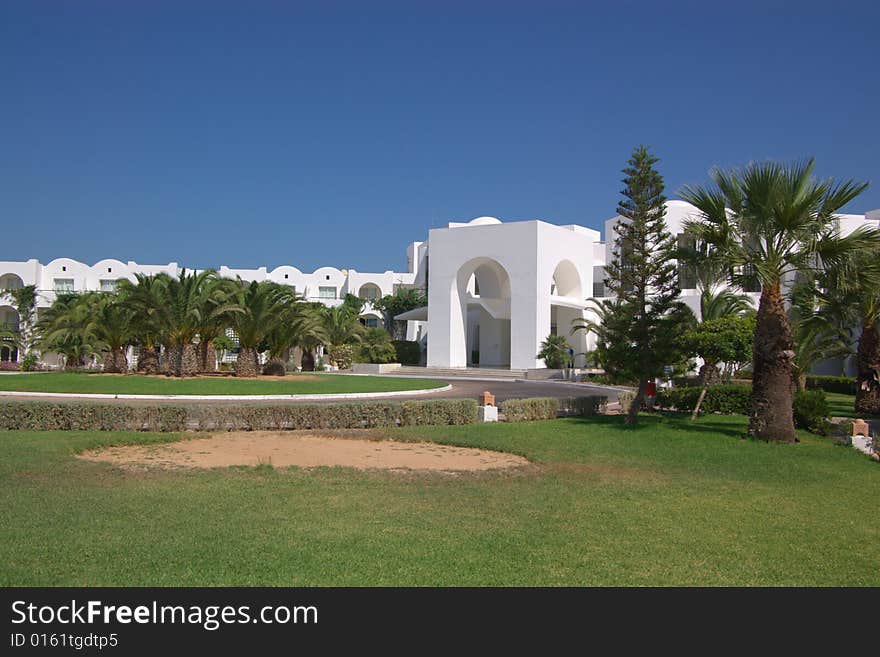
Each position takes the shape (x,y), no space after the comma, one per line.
(275,368)
(583,406)
(376,347)
(341,355)
(408,352)
(536,408)
(811,411)
(439,411)
(719,399)
(845,385)
(44,416)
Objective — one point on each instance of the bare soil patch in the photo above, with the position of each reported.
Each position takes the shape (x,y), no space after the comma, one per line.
(305,450)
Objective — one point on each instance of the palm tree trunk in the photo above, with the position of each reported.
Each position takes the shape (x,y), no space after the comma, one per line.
(771,417)
(114,362)
(868,377)
(207,357)
(182,360)
(632,416)
(248,362)
(148,360)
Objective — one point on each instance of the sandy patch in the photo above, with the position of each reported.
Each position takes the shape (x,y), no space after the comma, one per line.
(306,450)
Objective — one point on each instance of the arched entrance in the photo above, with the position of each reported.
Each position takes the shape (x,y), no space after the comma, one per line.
(481,291)
(8,323)
(567,302)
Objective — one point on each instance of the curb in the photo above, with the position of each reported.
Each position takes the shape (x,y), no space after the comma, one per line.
(344,395)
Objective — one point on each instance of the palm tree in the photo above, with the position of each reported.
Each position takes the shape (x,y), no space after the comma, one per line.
(717,298)
(768,222)
(145,298)
(186,313)
(114,329)
(310,334)
(603,309)
(342,329)
(217,301)
(262,309)
(554,352)
(849,296)
(376,346)
(70,327)
(294,320)
(819,325)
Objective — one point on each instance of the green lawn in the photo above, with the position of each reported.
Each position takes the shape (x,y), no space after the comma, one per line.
(134,384)
(842,405)
(666,503)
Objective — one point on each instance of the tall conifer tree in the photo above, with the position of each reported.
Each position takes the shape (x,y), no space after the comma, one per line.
(641,334)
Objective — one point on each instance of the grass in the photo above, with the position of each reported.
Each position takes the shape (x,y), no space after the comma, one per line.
(666,503)
(843,405)
(135,384)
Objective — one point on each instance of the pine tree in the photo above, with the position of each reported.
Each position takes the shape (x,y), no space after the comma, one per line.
(641,334)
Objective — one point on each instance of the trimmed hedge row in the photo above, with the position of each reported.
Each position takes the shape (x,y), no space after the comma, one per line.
(719,399)
(845,385)
(583,406)
(523,410)
(548,408)
(46,416)
(43,416)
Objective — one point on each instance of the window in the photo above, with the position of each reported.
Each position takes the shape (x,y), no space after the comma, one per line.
(63,285)
(598,282)
(326,292)
(369,292)
(372,322)
(108,285)
(9,319)
(687,274)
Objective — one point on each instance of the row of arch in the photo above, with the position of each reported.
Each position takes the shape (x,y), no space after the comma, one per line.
(482,310)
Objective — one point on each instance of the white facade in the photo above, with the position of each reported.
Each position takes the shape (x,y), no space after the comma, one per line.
(495,290)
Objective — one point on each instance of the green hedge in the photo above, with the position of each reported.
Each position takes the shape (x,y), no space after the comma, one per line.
(719,399)
(439,411)
(408,352)
(845,385)
(811,411)
(42,416)
(583,406)
(536,408)
(46,416)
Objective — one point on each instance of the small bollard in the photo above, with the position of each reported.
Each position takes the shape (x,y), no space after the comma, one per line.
(488,410)
(860,428)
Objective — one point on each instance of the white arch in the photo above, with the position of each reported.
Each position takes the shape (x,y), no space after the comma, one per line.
(369,291)
(11,282)
(567,281)
(486,314)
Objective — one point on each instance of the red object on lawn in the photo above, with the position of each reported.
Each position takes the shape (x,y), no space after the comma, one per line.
(651,389)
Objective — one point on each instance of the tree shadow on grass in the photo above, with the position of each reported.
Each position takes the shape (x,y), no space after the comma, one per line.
(725,425)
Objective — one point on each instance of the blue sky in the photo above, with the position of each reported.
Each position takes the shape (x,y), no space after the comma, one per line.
(332,133)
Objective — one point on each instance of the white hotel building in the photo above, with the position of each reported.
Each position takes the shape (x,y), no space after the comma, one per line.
(496,289)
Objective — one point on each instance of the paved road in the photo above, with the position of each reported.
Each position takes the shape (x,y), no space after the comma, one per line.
(502,389)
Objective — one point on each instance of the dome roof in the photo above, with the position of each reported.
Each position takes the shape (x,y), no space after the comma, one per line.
(484,221)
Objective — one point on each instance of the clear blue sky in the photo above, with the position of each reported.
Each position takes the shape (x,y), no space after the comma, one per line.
(332,133)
